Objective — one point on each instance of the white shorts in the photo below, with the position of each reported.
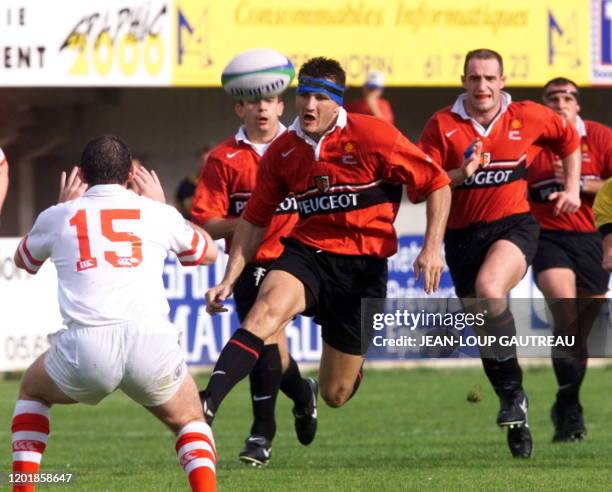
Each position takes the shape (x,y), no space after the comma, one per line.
(88,363)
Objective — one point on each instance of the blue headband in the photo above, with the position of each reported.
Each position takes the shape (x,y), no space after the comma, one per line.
(307,85)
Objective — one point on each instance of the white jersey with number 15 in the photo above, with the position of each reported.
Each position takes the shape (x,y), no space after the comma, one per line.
(109,248)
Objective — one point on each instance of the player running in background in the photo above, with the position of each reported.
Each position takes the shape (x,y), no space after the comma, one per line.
(568,264)
(345,172)
(4,179)
(223,190)
(109,247)
(603,217)
(491,237)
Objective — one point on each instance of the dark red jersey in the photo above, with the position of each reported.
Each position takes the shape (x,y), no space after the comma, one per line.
(499,188)
(225,186)
(347,185)
(596,153)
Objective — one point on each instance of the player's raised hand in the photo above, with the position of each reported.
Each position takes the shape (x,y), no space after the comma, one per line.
(71,186)
(149,184)
(215,298)
(472,158)
(430,265)
(566,203)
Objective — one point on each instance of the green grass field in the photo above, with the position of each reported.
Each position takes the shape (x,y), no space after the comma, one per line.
(405,430)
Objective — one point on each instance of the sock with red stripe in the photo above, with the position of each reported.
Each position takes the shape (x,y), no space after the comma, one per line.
(236,361)
(30,428)
(265,379)
(195,447)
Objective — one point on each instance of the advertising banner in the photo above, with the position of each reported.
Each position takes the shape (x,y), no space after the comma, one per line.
(124,43)
(414,43)
(68,43)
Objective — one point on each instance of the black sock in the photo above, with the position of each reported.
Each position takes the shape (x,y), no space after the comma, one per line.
(294,385)
(491,369)
(505,369)
(570,373)
(510,376)
(235,362)
(265,381)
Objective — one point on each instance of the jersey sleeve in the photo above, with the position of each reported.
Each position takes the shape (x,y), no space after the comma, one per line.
(35,247)
(270,190)
(432,143)
(211,197)
(188,244)
(409,165)
(557,134)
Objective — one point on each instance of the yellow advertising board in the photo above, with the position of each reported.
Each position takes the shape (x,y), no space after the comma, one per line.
(414,42)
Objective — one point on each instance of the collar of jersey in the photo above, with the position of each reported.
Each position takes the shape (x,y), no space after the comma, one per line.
(295,127)
(459,109)
(106,189)
(259,149)
(580,126)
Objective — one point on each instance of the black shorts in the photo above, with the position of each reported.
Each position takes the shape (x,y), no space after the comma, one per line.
(247,287)
(466,249)
(581,252)
(335,285)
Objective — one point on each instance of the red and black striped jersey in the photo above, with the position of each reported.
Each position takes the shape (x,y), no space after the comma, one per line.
(596,154)
(225,185)
(499,188)
(347,186)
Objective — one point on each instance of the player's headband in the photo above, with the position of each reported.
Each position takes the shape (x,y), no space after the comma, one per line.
(554,92)
(307,85)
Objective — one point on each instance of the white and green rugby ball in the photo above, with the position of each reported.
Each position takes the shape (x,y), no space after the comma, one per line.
(257,73)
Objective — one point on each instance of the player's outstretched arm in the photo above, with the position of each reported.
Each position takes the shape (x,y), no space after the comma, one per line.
(568,200)
(211,248)
(429,262)
(246,240)
(220,227)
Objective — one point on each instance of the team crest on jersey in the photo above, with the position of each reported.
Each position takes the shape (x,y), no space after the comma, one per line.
(485,159)
(516,124)
(322,183)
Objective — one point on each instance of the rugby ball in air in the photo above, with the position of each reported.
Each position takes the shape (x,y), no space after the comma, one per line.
(257,73)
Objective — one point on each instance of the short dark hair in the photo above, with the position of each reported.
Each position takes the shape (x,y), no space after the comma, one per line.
(106,160)
(560,81)
(483,54)
(326,68)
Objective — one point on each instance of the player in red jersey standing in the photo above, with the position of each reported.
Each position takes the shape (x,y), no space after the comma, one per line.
(568,263)
(345,172)
(222,192)
(491,237)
